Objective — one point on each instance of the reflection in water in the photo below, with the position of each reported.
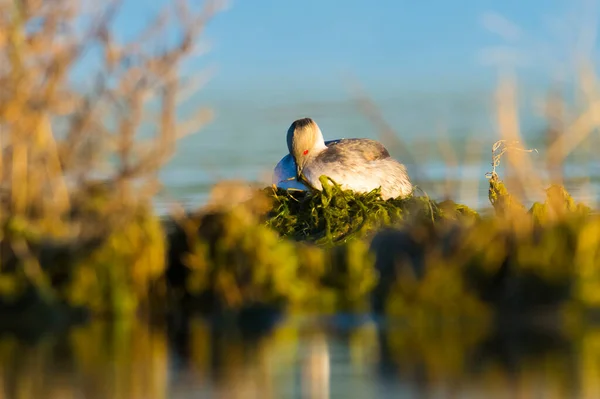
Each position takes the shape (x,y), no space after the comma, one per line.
(315,368)
(304,358)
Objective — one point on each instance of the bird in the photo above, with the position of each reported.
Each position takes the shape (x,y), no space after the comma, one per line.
(357,164)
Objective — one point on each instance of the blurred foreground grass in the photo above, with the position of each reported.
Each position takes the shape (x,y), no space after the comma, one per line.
(415,259)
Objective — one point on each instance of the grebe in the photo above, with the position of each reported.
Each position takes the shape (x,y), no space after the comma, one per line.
(360,165)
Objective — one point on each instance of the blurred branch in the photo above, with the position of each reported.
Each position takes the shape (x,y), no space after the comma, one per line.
(55,135)
(387,133)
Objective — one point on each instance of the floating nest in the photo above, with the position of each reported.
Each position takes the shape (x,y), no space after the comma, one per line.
(335,216)
(327,250)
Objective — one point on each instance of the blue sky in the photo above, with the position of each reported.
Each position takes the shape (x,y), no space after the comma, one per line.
(301,46)
(388,42)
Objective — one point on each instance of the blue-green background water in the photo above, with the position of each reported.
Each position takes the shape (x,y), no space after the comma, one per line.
(444,136)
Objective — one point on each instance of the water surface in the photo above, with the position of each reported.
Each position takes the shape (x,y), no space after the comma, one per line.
(445,140)
(338,356)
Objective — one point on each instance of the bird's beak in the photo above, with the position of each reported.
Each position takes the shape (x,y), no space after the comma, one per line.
(298,170)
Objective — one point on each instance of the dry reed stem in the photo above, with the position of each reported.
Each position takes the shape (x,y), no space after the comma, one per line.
(450,160)
(589,119)
(386,132)
(526,184)
(473,151)
(555,113)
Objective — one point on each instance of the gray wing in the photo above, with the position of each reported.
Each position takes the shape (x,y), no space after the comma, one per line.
(356,150)
(328,143)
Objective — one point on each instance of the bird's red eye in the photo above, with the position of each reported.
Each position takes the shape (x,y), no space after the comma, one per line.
(305,152)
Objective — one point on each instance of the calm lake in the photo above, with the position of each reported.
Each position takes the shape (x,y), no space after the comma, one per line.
(445,141)
(338,356)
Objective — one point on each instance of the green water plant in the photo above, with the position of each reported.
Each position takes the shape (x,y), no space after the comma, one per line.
(230,260)
(123,273)
(335,215)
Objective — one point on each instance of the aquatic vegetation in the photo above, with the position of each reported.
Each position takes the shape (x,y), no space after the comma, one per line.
(230,260)
(236,262)
(414,256)
(334,215)
(124,273)
(307,250)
